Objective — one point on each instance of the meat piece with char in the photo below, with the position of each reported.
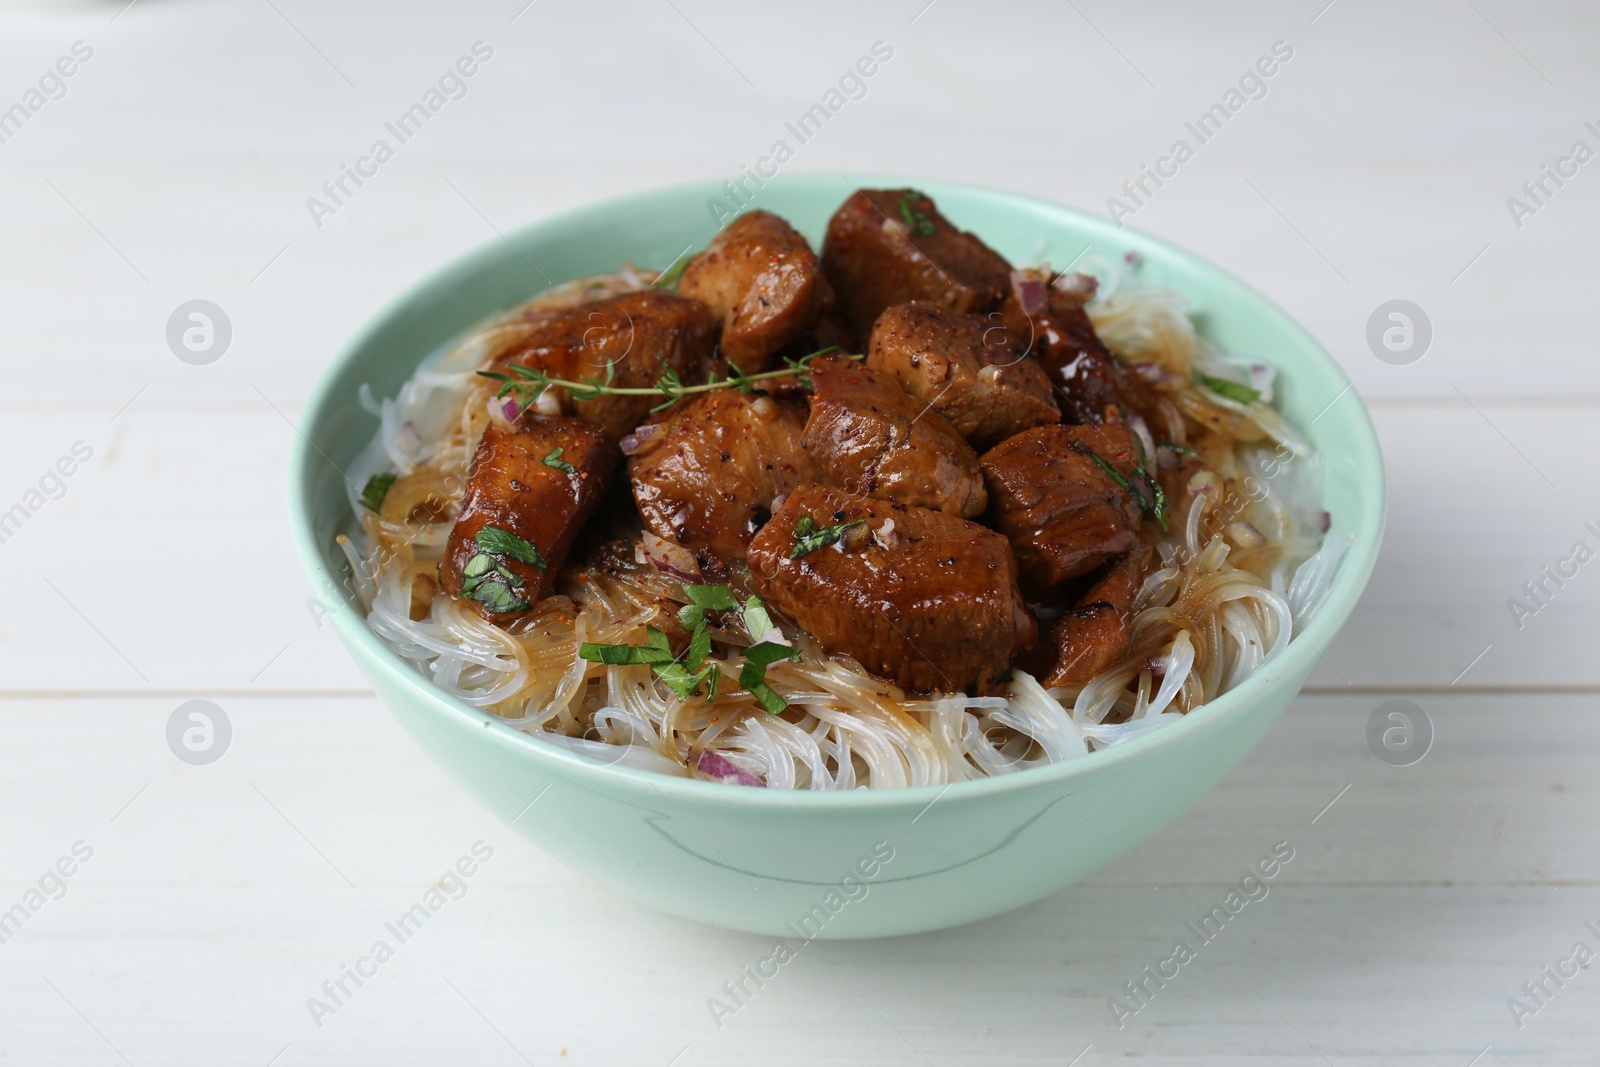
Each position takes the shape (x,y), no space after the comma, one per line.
(987,387)
(891,246)
(1096,632)
(922,598)
(706,476)
(641,335)
(763,283)
(1088,384)
(537,481)
(1062,511)
(873,437)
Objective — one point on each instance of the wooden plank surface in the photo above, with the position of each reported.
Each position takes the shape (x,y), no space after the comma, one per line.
(177,164)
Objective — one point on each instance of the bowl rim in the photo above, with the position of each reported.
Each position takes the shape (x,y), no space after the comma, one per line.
(1346,588)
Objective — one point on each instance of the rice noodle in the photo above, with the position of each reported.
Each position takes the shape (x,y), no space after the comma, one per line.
(1210,614)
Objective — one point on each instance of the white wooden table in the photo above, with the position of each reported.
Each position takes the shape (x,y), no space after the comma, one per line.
(175,164)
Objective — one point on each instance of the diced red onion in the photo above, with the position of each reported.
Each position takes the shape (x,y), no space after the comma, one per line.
(504,410)
(635,441)
(1324,521)
(713,765)
(1132,258)
(1029,288)
(673,559)
(1150,372)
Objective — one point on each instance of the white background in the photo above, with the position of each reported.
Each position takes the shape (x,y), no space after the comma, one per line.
(177,166)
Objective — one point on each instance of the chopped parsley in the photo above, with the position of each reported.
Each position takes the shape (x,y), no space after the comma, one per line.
(808,536)
(1153,508)
(914,218)
(554,460)
(505,543)
(376,489)
(488,580)
(690,673)
(1230,389)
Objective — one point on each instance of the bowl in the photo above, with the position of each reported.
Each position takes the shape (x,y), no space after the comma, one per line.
(832,865)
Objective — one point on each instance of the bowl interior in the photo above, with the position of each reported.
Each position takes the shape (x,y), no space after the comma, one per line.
(653,229)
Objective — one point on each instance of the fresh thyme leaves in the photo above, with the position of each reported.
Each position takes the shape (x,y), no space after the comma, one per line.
(1182,449)
(669,277)
(554,460)
(376,489)
(505,543)
(1155,507)
(694,671)
(808,536)
(917,220)
(1230,389)
(527,384)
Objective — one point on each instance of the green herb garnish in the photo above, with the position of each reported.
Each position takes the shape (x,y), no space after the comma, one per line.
(669,277)
(376,489)
(1154,508)
(1230,389)
(690,673)
(808,536)
(654,651)
(554,460)
(529,383)
(753,675)
(917,220)
(1184,449)
(505,543)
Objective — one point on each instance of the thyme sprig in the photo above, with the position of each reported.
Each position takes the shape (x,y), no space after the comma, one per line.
(1153,508)
(527,384)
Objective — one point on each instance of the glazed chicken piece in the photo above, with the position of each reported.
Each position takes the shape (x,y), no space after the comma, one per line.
(530,489)
(1097,632)
(924,599)
(643,335)
(706,476)
(1089,385)
(873,437)
(1063,512)
(988,388)
(763,283)
(891,246)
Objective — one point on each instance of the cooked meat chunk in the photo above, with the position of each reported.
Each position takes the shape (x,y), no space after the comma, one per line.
(706,476)
(519,484)
(988,388)
(762,281)
(1063,512)
(1089,385)
(891,246)
(924,599)
(1097,631)
(875,438)
(643,335)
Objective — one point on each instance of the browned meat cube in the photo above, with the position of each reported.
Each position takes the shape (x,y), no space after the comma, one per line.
(762,281)
(1097,632)
(706,476)
(891,246)
(536,484)
(988,388)
(924,599)
(1089,385)
(875,438)
(1063,512)
(642,334)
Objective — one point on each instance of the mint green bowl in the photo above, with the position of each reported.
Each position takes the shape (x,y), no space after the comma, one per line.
(836,865)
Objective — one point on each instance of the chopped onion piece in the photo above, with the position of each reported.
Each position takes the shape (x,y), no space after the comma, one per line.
(714,765)
(673,559)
